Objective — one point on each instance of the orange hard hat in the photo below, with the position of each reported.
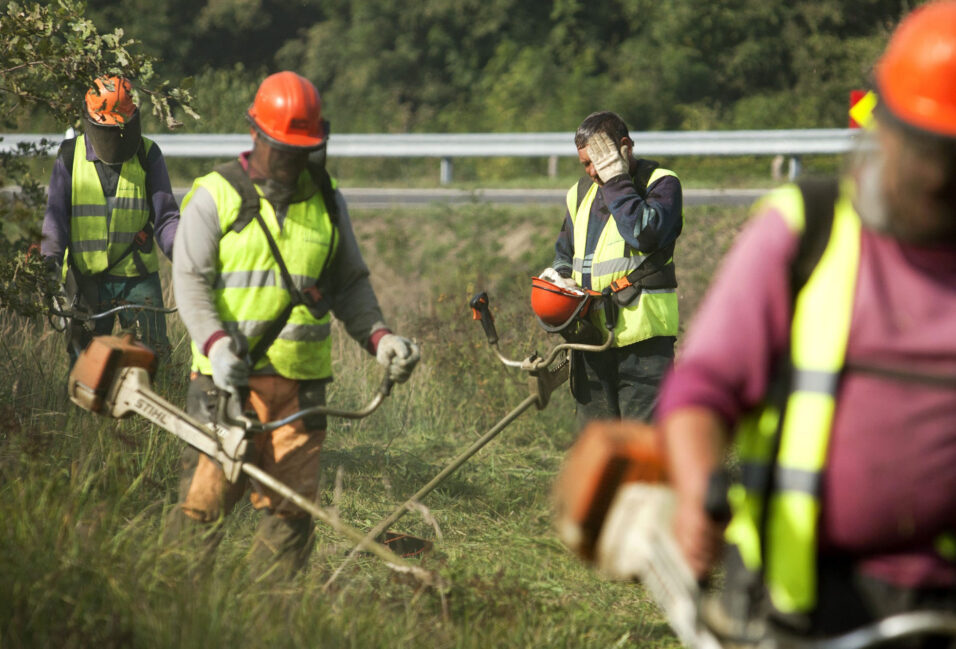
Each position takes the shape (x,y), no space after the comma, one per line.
(110,101)
(287,111)
(556,306)
(916,76)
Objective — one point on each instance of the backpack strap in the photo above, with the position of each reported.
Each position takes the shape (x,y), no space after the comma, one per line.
(236,176)
(584,184)
(249,210)
(819,200)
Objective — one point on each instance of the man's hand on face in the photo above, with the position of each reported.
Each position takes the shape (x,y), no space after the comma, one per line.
(609,160)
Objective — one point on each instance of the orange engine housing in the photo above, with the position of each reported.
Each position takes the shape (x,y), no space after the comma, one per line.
(99,364)
(606,455)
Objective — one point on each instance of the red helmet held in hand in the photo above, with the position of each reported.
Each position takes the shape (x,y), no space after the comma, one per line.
(555,306)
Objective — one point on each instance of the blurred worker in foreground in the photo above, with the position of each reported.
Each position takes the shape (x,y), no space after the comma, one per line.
(827,344)
(109,198)
(622,221)
(251,228)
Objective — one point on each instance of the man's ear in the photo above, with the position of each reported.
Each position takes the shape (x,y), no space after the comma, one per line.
(627,147)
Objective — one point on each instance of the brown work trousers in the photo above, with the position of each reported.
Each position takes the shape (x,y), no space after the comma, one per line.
(283,539)
(290,453)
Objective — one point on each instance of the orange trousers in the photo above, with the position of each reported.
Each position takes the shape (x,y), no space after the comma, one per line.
(289,453)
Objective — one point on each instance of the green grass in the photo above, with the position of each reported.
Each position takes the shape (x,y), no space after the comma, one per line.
(82,498)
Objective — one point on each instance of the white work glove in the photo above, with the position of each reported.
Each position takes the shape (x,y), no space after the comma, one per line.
(228,370)
(555,278)
(609,161)
(399,355)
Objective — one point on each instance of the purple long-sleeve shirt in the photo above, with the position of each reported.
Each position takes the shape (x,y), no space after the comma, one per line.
(889,487)
(56,220)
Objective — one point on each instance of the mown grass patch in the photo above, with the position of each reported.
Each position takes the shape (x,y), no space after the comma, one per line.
(83,499)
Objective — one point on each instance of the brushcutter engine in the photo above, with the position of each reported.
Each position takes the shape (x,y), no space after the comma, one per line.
(614,509)
(112,378)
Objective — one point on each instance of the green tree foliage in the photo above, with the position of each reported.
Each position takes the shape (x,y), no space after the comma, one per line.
(516,65)
(49,56)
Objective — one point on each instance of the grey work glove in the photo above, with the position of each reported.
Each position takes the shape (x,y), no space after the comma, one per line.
(609,161)
(399,355)
(555,278)
(228,370)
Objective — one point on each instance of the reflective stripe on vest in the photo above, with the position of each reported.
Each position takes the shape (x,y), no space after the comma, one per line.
(819,333)
(655,311)
(249,292)
(102,229)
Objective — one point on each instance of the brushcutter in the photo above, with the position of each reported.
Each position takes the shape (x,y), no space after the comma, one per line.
(614,509)
(83,316)
(542,382)
(61,316)
(112,378)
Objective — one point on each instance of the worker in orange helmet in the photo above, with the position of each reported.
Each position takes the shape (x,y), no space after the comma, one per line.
(109,198)
(265,257)
(825,351)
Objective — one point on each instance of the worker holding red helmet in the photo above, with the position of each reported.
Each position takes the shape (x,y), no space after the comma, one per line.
(620,228)
(825,352)
(109,199)
(265,256)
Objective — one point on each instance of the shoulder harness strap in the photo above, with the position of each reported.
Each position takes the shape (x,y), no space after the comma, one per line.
(819,199)
(236,176)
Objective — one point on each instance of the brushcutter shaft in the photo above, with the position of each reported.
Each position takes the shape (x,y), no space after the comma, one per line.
(352,534)
(392,518)
(131,393)
(636,542)
(453,466)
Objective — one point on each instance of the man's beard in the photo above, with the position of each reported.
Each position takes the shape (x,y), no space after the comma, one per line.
(919,221)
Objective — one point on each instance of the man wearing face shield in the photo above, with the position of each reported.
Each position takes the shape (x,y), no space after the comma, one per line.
(825,350)
(109,199)
(265,256)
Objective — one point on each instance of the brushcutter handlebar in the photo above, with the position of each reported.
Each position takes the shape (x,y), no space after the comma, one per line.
(84,316)
(384,390)
(480,310)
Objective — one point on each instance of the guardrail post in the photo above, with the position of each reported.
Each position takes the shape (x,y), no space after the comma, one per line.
(445,174)
(793,168)
(553,166)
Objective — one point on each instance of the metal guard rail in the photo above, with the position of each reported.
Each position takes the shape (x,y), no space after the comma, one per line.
(463,145)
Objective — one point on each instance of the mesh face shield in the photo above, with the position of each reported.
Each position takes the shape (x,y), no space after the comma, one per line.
(114,144)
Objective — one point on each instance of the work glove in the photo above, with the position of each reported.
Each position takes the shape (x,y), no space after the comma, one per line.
(609,161)
(555,278)
(228,370)
(399,355)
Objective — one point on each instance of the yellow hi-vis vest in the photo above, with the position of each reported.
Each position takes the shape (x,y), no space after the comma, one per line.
(818,339)
(98,235)
(249,292)
(655,312)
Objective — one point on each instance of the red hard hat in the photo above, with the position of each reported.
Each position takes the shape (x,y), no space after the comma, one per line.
(287,111)
(916,77)
(556,305)
(110,101)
